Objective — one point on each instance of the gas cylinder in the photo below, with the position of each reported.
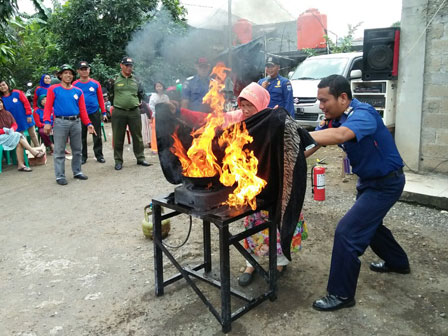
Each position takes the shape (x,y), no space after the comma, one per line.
(147,223)
(318,182)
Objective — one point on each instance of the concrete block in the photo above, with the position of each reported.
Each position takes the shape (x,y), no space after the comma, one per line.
(434,152)
(437,91)
(431,105)
(440,137)
(440,78)
(436,31)
(429,136)
(435,120)
(436,165)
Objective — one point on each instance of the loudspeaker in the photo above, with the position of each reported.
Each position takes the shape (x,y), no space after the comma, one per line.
(380,53)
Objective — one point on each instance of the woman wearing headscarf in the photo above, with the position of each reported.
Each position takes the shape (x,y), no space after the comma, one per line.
(11,139)
(44,84)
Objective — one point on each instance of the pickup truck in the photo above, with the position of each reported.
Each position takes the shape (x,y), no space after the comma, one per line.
(308,74)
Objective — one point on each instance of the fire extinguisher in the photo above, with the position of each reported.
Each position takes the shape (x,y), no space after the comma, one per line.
(318,182)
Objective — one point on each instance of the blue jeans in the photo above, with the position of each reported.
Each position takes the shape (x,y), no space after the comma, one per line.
(362,226)
(62,131)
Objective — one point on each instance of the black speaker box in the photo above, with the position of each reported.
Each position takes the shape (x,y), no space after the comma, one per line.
(380,53)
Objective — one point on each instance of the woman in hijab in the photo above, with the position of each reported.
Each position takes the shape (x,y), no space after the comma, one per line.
(44,84)
(11,139)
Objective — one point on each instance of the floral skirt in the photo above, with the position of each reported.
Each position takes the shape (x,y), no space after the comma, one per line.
(258,243)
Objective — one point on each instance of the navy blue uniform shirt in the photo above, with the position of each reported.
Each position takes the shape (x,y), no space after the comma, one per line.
(280,90)
(373,152)
(194,89)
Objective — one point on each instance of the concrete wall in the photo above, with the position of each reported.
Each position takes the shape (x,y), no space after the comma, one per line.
(421,129)
(434,136)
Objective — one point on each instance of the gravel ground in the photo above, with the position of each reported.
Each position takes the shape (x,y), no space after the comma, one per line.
(74,261)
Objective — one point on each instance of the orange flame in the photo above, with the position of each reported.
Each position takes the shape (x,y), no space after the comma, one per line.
(239,165)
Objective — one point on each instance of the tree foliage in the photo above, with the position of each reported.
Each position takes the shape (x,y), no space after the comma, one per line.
(344,44)
(96,31)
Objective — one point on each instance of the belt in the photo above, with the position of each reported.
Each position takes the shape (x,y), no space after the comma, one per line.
(394,173)
(123,109)
(68,118)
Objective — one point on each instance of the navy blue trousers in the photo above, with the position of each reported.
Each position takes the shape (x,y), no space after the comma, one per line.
(362,226)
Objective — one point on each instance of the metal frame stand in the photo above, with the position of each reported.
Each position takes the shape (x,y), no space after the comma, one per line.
(221,218)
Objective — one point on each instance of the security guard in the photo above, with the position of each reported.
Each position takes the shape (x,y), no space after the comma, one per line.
(375,159)
(126,95)
(279,87)
(196,87)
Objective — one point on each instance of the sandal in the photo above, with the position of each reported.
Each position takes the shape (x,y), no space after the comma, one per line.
(25,169)
(39,154)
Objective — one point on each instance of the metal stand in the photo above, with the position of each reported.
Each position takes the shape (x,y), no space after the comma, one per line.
(221,218)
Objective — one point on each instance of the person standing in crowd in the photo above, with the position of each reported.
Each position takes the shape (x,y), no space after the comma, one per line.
(18,105)
(39,120)
(279,87)
(374,157)
(158,97)
(44,84)
(67,104)
(196,87)
(126,95)
(93,96)
(10,139)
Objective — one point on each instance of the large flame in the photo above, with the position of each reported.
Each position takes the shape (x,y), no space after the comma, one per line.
(239,165)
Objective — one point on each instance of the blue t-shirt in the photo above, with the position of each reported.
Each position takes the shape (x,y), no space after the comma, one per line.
(17,104)
(280,90)
(92,94)
(373,152)
(194,89)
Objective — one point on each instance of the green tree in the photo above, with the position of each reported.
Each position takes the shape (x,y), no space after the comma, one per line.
(345,43)
(86,28)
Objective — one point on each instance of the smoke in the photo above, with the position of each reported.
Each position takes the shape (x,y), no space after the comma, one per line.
(165,50)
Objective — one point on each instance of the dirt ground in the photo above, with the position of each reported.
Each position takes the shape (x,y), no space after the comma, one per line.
(74,261)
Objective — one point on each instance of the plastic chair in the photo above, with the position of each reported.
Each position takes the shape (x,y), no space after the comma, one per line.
(28,138)
(11,157)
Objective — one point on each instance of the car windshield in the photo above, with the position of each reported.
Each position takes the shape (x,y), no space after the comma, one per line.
(319,68)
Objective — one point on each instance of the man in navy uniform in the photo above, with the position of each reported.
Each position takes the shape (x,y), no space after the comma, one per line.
(374,157)
(279,87)
(196,87)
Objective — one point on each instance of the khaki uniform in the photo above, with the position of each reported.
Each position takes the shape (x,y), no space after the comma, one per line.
(126,95)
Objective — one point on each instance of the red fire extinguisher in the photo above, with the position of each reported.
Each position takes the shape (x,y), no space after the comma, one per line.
(318,182)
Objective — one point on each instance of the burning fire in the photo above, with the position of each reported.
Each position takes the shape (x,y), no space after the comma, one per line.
(239,165)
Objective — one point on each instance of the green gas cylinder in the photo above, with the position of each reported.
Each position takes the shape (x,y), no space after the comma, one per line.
(147,223)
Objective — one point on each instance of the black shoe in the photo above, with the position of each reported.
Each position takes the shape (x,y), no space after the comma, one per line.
(101,160)
(245,279)
(81,176)
(83,161)
(333,302)
(61,181)
(280,273)
(118,166)
(143,163)
(381,267)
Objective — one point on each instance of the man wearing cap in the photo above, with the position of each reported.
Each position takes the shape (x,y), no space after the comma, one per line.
(279,87)
(93,96)
(67,104)
(196,87)
(126,95)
